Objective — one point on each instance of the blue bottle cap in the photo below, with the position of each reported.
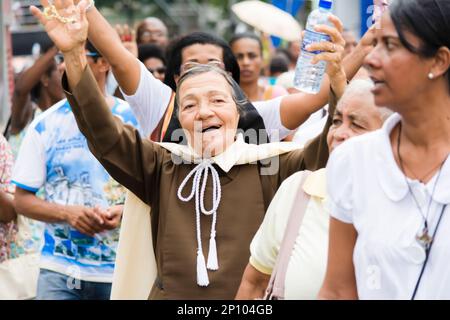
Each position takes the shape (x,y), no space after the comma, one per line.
(326,4)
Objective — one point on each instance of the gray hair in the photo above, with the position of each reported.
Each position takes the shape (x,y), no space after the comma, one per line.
(361,88)
(238,97)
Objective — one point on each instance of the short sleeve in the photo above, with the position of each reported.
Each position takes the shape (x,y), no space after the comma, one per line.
(266,243)
(30,168)
(340,184)
(271,114)
(150,101)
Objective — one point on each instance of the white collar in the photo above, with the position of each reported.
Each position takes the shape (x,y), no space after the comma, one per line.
(392,179)
(315,185)
(238,153)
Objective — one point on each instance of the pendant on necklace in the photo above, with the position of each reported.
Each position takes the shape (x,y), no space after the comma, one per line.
(424,239)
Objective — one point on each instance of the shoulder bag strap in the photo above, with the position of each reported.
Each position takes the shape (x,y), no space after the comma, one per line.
(275,289)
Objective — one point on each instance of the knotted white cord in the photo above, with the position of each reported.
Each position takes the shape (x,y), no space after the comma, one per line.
(200,172)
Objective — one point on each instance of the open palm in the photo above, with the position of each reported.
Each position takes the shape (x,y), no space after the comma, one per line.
(66,36)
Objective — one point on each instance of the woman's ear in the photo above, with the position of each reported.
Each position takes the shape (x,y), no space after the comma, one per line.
(176,77)
(441,63)
(104,65)
(45,80)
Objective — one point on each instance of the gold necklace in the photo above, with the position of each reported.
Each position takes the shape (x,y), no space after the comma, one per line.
(423,179)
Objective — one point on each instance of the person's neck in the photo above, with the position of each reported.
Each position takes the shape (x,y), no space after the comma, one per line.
(252,90)
(426,121)
(45,102)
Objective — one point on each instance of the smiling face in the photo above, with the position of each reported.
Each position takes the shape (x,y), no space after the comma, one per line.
(208,113)
(248,54)
(355,114)
(398,74)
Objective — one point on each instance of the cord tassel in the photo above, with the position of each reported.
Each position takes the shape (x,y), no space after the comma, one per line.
(199,177)
(202,273)
(212,254)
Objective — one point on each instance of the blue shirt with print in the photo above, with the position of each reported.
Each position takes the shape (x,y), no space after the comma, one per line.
(75,177)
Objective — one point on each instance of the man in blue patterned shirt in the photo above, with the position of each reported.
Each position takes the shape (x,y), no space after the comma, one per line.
(83,204)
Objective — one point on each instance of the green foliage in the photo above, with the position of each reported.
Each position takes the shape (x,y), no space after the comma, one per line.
(131,11)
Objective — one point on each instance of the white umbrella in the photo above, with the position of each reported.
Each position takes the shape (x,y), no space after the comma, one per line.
(268,19)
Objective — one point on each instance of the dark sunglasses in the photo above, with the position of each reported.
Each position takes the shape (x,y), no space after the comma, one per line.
(59,58)
(159,70)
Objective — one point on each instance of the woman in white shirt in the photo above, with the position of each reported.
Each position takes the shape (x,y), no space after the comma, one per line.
(355,115)
(389,190)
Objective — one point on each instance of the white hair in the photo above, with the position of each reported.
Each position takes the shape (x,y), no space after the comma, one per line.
(363,88)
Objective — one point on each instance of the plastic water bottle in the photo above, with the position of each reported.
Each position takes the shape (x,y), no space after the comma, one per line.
(308,77)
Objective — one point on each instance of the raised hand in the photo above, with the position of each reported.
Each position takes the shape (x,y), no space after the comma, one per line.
(64,22)
(332,51)
(128,37)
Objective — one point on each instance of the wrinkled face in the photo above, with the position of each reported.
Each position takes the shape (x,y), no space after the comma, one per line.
(350,42)
(399,75)
(248,54)
(354,116)
(154,33)
(208,113)
(156,67)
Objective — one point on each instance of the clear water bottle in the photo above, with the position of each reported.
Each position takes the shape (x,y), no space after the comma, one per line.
(308,77)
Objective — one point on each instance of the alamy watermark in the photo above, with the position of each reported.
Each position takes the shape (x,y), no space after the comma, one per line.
(210,146)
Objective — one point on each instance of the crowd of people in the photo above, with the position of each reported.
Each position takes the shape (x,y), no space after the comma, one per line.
(142,166)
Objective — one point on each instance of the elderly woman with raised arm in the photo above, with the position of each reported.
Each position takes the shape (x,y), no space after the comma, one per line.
(207,198)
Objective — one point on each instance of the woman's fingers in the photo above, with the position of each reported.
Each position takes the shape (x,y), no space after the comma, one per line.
(38,14)
(59,4)
(82,5)
(334,34)
(325,56)
(325,46)
(337,23)
(125,33)
(128,33)
(64,4)
(44,3)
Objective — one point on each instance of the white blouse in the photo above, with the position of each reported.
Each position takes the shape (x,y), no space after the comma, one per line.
(307,264)
(367,189)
